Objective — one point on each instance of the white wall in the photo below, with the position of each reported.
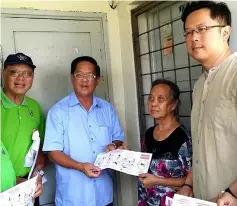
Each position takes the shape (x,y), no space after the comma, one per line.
(233,39)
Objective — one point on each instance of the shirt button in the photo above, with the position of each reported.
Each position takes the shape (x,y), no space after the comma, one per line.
(19,107)
(198,141)
(19,117)
(89,125)
(196,161)
(94,152)
(91,138)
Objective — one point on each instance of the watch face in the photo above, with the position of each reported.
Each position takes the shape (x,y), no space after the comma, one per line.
(41,172)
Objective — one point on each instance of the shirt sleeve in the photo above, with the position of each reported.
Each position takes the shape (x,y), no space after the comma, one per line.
(41,125)
(117,130)
(185,156)
(54,131)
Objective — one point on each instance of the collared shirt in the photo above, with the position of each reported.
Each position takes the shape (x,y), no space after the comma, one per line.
(82,135)
(214,129)
(7,173)
(17,125)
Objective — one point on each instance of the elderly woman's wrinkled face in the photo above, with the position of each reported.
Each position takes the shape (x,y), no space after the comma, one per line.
(160,104)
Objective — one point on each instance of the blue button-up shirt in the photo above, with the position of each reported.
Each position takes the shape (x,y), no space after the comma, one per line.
(82,135)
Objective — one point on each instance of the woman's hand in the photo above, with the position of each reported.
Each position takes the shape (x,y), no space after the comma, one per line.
(39,187)
(186,191)
(148,180)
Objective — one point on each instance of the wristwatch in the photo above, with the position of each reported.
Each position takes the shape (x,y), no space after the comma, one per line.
(39,172)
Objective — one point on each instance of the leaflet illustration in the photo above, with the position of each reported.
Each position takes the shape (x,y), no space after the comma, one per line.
(180,200)
(20,195)
(130,162)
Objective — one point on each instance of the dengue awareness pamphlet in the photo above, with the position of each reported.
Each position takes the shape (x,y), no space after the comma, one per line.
(180,200)
(130,162)
(20,195)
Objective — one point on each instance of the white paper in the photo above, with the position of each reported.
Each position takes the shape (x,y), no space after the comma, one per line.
(31,156)
(180,200)
(20,195)
(168,201)
(133,163)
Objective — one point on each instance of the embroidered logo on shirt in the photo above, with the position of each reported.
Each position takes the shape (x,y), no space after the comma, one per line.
(31,113)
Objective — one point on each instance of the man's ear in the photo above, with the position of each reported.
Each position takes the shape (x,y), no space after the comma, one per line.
(226,32)
(97,80)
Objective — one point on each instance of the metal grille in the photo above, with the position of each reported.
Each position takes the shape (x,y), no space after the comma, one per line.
(160,52)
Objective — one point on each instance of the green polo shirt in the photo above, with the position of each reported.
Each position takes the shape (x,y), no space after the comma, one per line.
(7,173)
(18,123)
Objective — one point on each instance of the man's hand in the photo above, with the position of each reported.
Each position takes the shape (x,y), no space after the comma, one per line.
(39,187)
(186,191)
(148,180)
(123,146)
(110,147)
(20,180)
(226,199)
(90,170)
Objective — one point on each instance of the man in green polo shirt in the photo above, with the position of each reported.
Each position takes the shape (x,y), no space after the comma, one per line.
(20,115)
(8,176)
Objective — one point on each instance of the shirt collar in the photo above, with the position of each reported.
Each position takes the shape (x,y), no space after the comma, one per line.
(219,66)
(74,101)
(7,103)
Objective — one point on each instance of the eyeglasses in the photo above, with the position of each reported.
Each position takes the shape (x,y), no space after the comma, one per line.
(87,76)
(200,30)
(16,73)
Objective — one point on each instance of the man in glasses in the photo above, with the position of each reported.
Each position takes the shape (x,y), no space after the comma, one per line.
(20,115)
(207,29)
(78,128)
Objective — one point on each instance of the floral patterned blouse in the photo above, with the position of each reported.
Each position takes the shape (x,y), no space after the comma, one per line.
(172,157)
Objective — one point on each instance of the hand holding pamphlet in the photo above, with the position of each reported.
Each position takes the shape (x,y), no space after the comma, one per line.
(130,162)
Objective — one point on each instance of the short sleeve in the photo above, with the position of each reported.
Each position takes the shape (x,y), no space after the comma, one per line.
(185,155)
(54,131)
(117,130)
(41,127)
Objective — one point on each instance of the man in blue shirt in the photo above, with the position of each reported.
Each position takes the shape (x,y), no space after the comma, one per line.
(78,128)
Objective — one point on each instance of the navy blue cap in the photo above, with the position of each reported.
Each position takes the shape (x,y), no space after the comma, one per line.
(19,58)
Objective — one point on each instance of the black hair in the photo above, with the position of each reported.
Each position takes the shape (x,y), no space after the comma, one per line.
(174,90)
(218,10)
(87,59)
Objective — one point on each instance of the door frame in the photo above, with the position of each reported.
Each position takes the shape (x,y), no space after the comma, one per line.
(74,15)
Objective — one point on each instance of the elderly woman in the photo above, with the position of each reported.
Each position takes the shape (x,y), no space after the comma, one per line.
(170,144)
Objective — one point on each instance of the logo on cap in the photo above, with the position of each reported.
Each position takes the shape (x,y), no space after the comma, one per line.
(22,57)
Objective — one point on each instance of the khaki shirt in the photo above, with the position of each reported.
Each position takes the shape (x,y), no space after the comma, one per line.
(214,129)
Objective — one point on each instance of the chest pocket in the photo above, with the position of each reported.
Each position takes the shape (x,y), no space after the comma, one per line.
(223,113)
(104,136)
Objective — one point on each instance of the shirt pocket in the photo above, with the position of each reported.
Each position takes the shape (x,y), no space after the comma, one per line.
(223,114)
(104,136)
